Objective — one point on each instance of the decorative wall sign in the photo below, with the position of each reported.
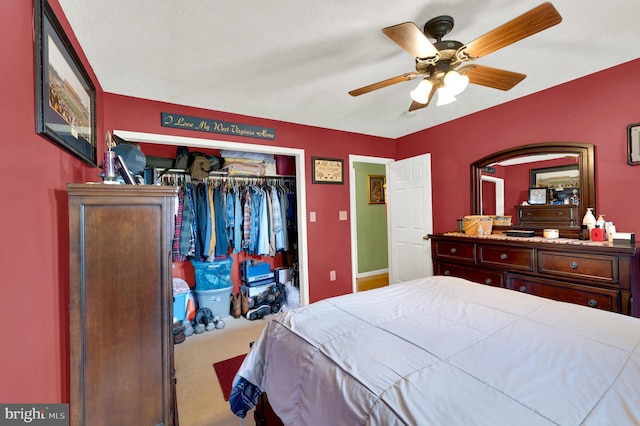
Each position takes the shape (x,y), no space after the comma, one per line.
(326,170)
(633,144)
(375,189)
(65,95)
(216,126)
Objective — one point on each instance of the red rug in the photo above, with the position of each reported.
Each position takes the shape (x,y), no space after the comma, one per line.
(226,370)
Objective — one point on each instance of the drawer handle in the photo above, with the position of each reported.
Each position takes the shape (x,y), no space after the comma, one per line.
(488,281)
(574,265)
(592,303)
(560,213)
(453,250)
(523,289)
(503,256)
(447,272)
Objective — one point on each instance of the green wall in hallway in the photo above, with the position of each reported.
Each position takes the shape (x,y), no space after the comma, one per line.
(371,222)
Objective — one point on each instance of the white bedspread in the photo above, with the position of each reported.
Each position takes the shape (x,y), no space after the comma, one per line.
(445,351)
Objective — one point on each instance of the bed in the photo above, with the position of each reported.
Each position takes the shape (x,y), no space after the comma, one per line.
(443,350)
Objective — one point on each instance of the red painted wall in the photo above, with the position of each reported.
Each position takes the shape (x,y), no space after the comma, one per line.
(34,244)
(34,286)
(595,109)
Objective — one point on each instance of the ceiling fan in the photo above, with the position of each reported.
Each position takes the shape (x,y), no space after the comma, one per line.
(439,63)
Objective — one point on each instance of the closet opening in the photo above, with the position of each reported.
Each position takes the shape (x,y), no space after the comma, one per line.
(298,180)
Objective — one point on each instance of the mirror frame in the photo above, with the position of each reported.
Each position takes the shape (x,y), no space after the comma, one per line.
(586,165)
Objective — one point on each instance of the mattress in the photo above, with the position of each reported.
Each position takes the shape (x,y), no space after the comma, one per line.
(443,350)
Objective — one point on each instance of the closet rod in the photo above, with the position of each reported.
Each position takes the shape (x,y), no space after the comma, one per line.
(225,174)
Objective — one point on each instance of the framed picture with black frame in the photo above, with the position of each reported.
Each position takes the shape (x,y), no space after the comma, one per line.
(65,95)
(555,177)
(538,196)
(633,144)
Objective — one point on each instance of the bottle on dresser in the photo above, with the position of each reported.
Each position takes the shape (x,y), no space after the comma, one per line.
(597,233)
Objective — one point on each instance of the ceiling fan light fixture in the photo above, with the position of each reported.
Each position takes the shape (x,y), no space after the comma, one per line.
(445,96)
(455,82)
(421,93)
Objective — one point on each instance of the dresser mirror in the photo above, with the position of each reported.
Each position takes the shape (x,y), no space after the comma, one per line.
(535,156)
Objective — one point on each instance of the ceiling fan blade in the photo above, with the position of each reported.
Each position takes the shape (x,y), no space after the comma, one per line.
(417,105)
(525,25)
(384,83)
(412,39)
(491,77)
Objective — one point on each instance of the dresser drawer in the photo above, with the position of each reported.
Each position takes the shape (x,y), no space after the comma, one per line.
(459,251)
(594,297)
(547,214)
(477,275)
(601,268)
(506,257)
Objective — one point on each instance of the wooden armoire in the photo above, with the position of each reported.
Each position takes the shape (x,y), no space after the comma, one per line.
(121,306)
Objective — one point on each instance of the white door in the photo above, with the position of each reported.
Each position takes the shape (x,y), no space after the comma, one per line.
(410,218)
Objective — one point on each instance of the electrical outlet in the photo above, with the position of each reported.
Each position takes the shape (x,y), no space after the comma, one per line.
(332,275)
(312,216)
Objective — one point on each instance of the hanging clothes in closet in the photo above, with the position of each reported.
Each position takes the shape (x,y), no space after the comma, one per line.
(219,214)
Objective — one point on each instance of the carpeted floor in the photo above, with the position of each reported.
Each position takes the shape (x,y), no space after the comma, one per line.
(200,398)
(226,371)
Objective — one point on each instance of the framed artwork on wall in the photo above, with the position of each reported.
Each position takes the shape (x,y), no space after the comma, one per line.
(65,95)
(555,177)
(327,170)
(633,144)
(375,189)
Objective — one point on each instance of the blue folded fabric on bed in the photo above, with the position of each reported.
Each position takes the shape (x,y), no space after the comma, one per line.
(244,396)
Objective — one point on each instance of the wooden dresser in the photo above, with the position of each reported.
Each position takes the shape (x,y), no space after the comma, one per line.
(548,215)
(120,305)
(600,275)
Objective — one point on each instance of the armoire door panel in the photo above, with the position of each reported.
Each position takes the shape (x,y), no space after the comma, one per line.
(122,351)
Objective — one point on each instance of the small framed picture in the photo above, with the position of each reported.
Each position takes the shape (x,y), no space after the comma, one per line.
(537,196)
(327,170)
(375,189)
(633,144)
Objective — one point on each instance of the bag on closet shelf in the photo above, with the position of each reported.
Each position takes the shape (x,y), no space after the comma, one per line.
(199,165)
(182,158)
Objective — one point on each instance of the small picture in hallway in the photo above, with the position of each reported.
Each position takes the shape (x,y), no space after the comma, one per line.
(376,189)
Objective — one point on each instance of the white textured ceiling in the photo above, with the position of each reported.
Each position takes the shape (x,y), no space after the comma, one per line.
(295,61)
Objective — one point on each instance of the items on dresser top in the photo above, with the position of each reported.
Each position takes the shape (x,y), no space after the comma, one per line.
(518,233)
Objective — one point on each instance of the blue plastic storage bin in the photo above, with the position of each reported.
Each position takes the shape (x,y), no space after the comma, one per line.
(214,275)
(180,306)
